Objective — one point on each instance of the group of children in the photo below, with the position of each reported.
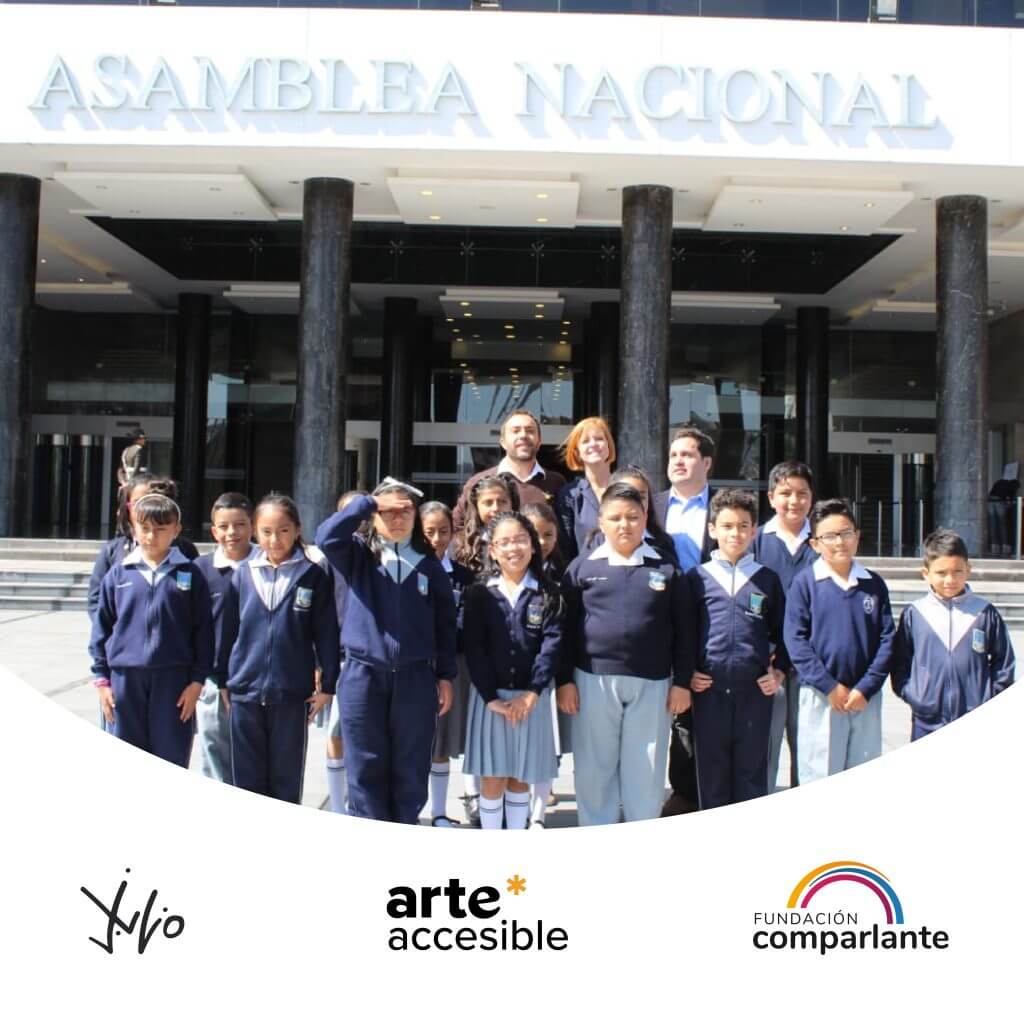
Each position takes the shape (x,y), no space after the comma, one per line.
(427,645)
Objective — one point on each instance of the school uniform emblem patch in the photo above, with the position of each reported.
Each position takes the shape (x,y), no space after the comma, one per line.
(534,613)
(184,580)
(303,597)
(422,584)
(869,604)
(757,604)
(978,641)
(656,580)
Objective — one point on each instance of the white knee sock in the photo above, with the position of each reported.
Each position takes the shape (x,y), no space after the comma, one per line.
(471,785)
(337,785)
(539,803)
(517,809)
(490,812)
(439,789)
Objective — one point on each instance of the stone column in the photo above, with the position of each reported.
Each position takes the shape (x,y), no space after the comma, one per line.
(646,307)
(604,361)
(401,332)
(961,295)
(19,238)
(812,382)
(192,371)
(325,278)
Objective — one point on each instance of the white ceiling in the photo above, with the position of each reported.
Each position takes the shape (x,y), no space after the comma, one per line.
(268,186)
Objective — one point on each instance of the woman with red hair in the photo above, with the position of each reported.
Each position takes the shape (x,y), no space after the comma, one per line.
(589,449)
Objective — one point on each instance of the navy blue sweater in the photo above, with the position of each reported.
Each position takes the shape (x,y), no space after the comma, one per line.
(577,509)
(740,611)
(770,550)
(389,624)
(274,654)
(511,648)
(951,656)
(164,625)
(839,636)
(461,579)
(113,553)
(218,579)
(627,620)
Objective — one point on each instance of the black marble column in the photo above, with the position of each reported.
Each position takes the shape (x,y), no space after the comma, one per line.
(401,331)
(812,382)
(961,294)
(19,237)
(192,370)
(320,406)
(604,361)
(646,310)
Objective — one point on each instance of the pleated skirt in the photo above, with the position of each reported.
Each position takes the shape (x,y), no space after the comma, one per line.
(450,734)
(497,749)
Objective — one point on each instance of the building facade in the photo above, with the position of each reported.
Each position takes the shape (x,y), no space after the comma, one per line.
(301,247)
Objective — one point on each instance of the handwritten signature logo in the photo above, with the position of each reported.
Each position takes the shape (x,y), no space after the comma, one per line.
(170,927)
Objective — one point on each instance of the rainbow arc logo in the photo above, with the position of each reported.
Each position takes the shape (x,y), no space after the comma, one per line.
(847,871)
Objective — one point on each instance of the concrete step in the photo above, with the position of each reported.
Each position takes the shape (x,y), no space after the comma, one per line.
(15,602)
(53,590)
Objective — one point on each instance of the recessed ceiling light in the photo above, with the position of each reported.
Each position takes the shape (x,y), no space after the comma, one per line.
(564,333)
(450,319)
(514,369)
(509,327)
(538,316)
(426,192)
(467,314)
(542,220)
(843,227)
(538,305)
(463,364)
(566,322)
(868,205)
(463,303)
(43,260)
(435,216)
(511,337)
(364,184)
(81,280)
(455,330)
(476,335)
(563,342)
(542,195)
(756,202)
(739,225)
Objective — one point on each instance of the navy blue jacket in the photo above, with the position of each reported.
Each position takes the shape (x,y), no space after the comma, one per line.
(770,550)
(113,553)
(839,636)
(511,648)
(577,509)
(389,624)
(461,579)
(166,625)
(627,620)
(951,656)
(274,654)
(218,579)
(740,611)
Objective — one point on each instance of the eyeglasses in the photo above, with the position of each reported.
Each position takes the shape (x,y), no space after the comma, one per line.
(836,538)
(521,540)
(396,513)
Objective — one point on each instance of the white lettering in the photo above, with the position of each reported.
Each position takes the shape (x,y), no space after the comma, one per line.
(161,82)
(700,95)
(403,102)
(449,87)
(281,84)
(530,77)
(109,78)
(646,108)
(209,76)
(814,107)
(907,119)
(605,90)
(59,81)
(331,106)
(862,98)
(747,114)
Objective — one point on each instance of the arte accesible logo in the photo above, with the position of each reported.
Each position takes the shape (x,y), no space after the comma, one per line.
(843,905)
(412,910)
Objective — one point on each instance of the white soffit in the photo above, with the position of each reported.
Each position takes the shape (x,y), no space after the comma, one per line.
(722,308)
(483,202)
(269,297)
(497,303)
(168,196)
(807,211)
(111,297)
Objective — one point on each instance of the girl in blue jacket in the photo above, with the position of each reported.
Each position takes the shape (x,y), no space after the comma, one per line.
(152,637)
(399,641)
(281,625)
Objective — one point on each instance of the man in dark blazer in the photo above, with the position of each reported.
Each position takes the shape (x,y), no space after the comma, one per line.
(682,511)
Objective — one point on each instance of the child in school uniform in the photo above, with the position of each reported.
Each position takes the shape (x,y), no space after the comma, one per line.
(953,650)
(839,634)
(513,631)
(282,622)
(450,735)
(231,526)
(783,545)
(739,656)
(399,641)
(337,777)
(546,524)
(627,664)
(152,637)
(488,497)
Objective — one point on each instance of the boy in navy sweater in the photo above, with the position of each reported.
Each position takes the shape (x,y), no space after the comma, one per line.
(231,526)
(783,545)
(152,637)
(953,650)
(739,655)
(839,634)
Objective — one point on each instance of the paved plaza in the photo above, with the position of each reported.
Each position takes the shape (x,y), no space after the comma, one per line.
(48,651)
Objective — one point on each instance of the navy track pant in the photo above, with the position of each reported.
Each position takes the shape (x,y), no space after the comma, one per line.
(268,747)
(146,713)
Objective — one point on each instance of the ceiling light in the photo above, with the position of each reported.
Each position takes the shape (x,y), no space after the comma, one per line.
(738,225)
(542,195)
(435,216)
(511,337)
(756,202)
(81,280)
(843,227)
(564,333)
(542,220)
(566,323)
(455,330)
(538,316)
(514,369)
(509,327)
(463,364)
(426,192)
(450,319)
(464,303)
(868,206)
(467,314)
(538,305)
(43,260)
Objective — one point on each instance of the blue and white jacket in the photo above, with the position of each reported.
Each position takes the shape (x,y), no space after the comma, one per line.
(951,656)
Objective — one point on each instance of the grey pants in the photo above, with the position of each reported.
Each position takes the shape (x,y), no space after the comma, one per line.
(785,708)
(213,734)
(830,742)
(620,747)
